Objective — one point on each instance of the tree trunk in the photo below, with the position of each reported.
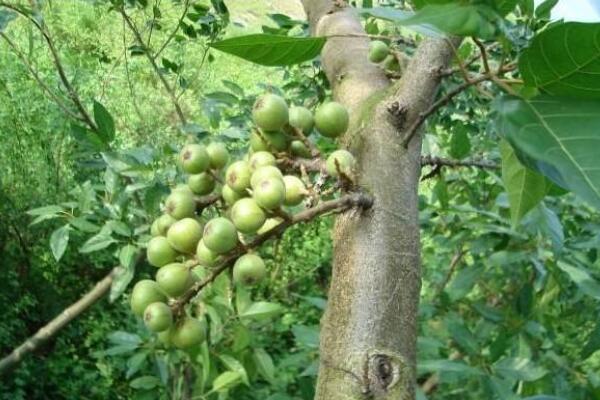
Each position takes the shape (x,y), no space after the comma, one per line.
(368,335)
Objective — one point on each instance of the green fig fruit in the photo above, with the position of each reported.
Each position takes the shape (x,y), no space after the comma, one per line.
(270,112)
(220,235)
(269,141)
(160,252)
(261,159)
(238,175)
(269,193)
(174,279)
(378,51)
(247,216)
(205,256)
(218,154)
(194,159)
(302,118)
(342,160)
(249,270)
(144,293)
(295,190)
(231,196)
(158,317)
(184,235)
(180,204)
(299,149)
(332,119)
(188,333)
(201,184)
(265,172)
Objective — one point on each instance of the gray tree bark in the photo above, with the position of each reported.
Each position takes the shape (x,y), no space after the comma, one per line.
(368,335)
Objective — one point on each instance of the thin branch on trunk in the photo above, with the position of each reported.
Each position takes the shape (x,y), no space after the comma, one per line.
(445,162)
(186,6)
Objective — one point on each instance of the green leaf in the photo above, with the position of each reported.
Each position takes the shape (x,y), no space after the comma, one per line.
(84,225)
(97,242)
(582,278)
(519,369)
(593,343)
(235,366)
(226,381)
(544,9)
(59,240)
(307,336)
(262,310)
(525,188)
(272,50)
(564,60)
(105,123)
(47,210)
(447,366)
(460,145)
(124,275)
(134,363)
(145,382)
(264,364)
(557,137)
(398,17)
(6,17)
(124,338)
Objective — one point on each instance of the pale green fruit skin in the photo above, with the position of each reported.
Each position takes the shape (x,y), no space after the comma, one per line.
(190,332)
(174,279)
(269,193)
(249,270)
(194,158)
(270,112)
(218,155)
(205,256)
(199,273)
(201,184)
(184,235)
(265,172)
(274,141)
(160,252)
(220,235)
(332,119)
(302,118)
(182,188)
(154,229)
(165,337)
(378,51)
(238,175)
(269,224)
(345,160)
(299,149)
(144,293)
(391,64)
(162,224)
(231,196)
(247,216)
(295,190)
(158,317)
(261,159)
(180,204)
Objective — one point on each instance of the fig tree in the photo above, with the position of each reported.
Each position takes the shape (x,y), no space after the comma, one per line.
(302,118)
(261,159)
(378,51)
(144,293)
(231,196)
(184,235)
(265,172)
(158,317)
(295,190)
(249,270)
(205,256)
(160,252)
(194,159)
(218,155)
(299,149)
(331,119)
(174,279)
(180,204)
(342,160)
(270,112)
(269,193)
(201,184)
(238,175)
(247,216)
(220,235)
(188,333)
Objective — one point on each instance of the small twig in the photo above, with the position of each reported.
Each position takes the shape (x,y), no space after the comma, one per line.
(314,152)
(453,264)
(484,57)
(174,32)
(446,162)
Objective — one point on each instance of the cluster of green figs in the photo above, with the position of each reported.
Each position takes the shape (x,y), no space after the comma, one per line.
(379,53)
(253,193)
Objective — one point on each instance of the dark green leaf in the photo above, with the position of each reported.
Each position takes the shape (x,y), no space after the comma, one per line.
(262,310)
(226,381)
(544,9)
(307,336)
(460,145)
(235,366)
(264,364)
(97,242)
(521,369)
(145,382)
(6,17)
(593,342)
(564,60)
(59,240)
(582,278)
(105,123)
(272,50)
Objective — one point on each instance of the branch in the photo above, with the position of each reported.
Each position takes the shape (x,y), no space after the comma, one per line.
(344,203)
(445,162)
(174,32)
(152,60)
(51,329)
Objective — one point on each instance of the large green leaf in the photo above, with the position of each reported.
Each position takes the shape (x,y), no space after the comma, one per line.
(525,188)
(558,137)
(59,240)
(272,50)
(564,60)
(582,278)
(105,122)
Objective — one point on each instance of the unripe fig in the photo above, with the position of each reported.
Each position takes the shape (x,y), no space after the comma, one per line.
(158,317)
(269,193)
(188,333)
(299,149)
(180,204)
(201,184)
(174,279)
(391,64)
(218,155)
(165,337)
(160,252)
(249,270)
(238,175)
(144,293)
(247,216)
(345,162)
(181,187)
(268,141)
(231,196)
(194,158)
(184,235)
(261,159)
(161,225)
(269,224)
(205,256)
(270,112)
(295,190)
(332,119)
(265,172)
(378,51)
(302,118)
(220,235)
